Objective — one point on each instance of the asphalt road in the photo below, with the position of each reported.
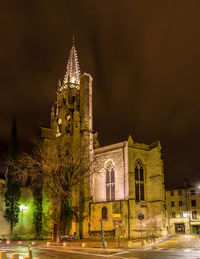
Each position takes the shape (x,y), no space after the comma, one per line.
(176,247)
(165,253)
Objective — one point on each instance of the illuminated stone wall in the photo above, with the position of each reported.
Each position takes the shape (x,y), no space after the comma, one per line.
(118,155)
(124,155)
(4,229)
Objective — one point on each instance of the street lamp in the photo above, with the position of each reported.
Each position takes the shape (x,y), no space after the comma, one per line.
(23,208)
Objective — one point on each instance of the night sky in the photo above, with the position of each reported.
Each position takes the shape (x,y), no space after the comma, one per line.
(144,57)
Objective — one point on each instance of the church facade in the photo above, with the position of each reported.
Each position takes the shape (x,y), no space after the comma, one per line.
(130,176)
(128,180)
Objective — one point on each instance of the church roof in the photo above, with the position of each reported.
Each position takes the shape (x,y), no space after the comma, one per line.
(72,75)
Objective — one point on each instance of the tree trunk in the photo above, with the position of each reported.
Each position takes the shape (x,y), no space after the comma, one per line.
(11,230)
(58,219)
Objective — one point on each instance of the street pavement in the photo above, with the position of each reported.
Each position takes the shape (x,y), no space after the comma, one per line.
(181,246)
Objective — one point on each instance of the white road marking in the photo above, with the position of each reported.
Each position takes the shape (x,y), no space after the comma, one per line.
(187,250)
(158,249)
(118,257)
(122,252)
(79,252)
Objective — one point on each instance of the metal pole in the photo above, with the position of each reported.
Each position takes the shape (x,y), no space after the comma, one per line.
(187,197)
(29,252)
(141,232)
(189,211)
(102,233)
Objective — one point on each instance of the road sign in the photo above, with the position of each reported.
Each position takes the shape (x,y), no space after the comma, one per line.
(117,222)
(140,216)
(116,215)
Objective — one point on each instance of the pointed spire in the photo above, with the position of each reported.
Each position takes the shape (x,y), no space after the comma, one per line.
(59,83)
(130,140)
(72,75)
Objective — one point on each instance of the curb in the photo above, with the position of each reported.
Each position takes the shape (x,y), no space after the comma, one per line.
(151,245)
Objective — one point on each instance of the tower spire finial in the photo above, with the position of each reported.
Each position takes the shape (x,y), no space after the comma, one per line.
(73,40)
(72,76)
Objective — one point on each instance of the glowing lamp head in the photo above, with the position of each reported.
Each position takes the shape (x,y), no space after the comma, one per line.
(23,208)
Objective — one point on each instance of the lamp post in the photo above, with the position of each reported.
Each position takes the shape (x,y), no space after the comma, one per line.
(102,233)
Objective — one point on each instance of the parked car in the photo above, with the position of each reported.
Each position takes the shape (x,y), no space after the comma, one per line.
(69,237)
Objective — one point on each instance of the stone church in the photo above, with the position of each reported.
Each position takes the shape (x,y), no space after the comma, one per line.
(130,179)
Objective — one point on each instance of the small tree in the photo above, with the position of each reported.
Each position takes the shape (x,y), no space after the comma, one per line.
(59,170)
(12,193)
(37,208)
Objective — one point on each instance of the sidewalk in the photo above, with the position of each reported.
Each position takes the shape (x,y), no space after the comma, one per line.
(91,246)
(86,244)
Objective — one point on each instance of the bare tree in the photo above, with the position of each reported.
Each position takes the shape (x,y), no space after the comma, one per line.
(59,169)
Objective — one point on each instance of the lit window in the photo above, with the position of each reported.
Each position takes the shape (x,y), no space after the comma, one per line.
(59,126)
(139,181)
(107,176)
(194,214)
(69,123)
(110,181)
(107,192)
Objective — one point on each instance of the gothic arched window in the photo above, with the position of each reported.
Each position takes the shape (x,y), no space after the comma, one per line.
(110,180)
(139,181)
(104,213)
(68,122)
(59,126)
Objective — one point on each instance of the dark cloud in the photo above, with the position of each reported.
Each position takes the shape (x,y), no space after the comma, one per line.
(144,58)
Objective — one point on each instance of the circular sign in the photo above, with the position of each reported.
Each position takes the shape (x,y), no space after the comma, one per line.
(140,216)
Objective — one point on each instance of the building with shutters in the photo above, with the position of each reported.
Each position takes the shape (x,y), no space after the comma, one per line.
(183,210)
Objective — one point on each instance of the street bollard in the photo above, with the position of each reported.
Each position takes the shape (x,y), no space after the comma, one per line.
(2,254)
(29,252)
(19,242)
(84,244)
(14,256)
(64,244)
(144,242)
(149,242)
(130,245)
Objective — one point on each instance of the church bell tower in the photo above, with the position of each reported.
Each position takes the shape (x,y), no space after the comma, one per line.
(72,125)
